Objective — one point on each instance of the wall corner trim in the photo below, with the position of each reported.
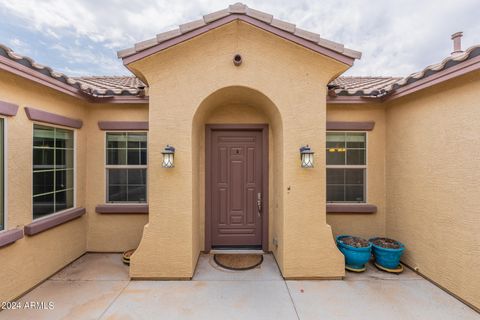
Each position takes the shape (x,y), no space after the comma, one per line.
(52,118)
(10,236)
(8,109)
(351,208)
(123,125)
(350,125)
(122,208)
(53,221)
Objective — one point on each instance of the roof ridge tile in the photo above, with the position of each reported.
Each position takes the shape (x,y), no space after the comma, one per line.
(241,9)
(214,16)
(167,35)
(237,8)
(192,25)
(259,15)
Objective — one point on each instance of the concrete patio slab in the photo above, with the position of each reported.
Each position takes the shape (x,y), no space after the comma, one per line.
(93,287)
(372,273)
(221,300)
(378,299)
(95,266)
(71,300)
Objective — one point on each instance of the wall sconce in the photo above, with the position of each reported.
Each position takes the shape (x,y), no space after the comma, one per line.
(306,156)
(168,155)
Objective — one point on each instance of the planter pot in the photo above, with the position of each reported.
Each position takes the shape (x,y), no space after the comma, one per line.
(355,257)
(388,258)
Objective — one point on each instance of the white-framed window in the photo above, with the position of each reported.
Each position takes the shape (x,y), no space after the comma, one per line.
(53,170)
(126,167)
(346,154)
(2,175)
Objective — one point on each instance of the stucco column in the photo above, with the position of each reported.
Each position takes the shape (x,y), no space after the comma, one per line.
(166,247)
(309,248)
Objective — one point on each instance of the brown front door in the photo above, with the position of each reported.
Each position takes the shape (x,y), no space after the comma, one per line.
(236,187)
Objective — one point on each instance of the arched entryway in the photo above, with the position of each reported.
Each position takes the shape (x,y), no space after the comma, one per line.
(237,138)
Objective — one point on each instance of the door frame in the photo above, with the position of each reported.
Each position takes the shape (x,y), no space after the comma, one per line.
(209,128)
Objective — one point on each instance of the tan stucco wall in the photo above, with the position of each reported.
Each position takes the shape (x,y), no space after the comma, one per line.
(108,232)
(365,225)
(32,259)
(180,79)
(433,174)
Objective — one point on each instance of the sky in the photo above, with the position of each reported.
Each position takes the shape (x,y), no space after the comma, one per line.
(81,37)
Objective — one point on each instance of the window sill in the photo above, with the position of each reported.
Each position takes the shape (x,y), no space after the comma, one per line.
(351,208)
(122,208)
(53,221)
(10,236)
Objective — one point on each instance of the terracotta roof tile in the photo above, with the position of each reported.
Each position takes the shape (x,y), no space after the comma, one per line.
(381,86)
(94,86)
(446,63)
(116,84)
(240,8)
(362,86)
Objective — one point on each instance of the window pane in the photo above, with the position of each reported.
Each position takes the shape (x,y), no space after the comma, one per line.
(53,164)
(335,176)
(63,200)
(43,159)
(345,185)
(354,176)
(354,193)
(64,138)
(335,140)
(137,140)
(117,193)
(133,157)
(42,182)
(356,140)
(143,157)
(130,149)
(116,140)
(43,136)
(63,159)
(117,156)
(43,205)
(64,179)
(335,157)
(335,193)
(355,157)
(137,176)
(137,193)
(117,176)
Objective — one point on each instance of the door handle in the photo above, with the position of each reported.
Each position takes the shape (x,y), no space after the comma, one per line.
(259,203)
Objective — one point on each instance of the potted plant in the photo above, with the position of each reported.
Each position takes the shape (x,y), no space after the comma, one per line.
(387,253)
(357,252)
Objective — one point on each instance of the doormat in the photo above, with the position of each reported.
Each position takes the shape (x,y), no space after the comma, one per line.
(238,261)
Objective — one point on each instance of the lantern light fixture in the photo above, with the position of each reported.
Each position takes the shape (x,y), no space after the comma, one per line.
(306,156)
(168,156)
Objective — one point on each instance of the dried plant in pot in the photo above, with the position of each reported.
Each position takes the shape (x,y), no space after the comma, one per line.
(387,253)
(357,252)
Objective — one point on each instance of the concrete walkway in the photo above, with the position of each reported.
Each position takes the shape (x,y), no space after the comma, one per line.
(96,286)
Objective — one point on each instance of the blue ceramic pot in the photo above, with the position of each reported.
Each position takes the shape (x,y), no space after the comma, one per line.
(387,258)
(355,258)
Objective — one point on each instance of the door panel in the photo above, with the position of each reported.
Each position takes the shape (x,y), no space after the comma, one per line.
(236,181)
